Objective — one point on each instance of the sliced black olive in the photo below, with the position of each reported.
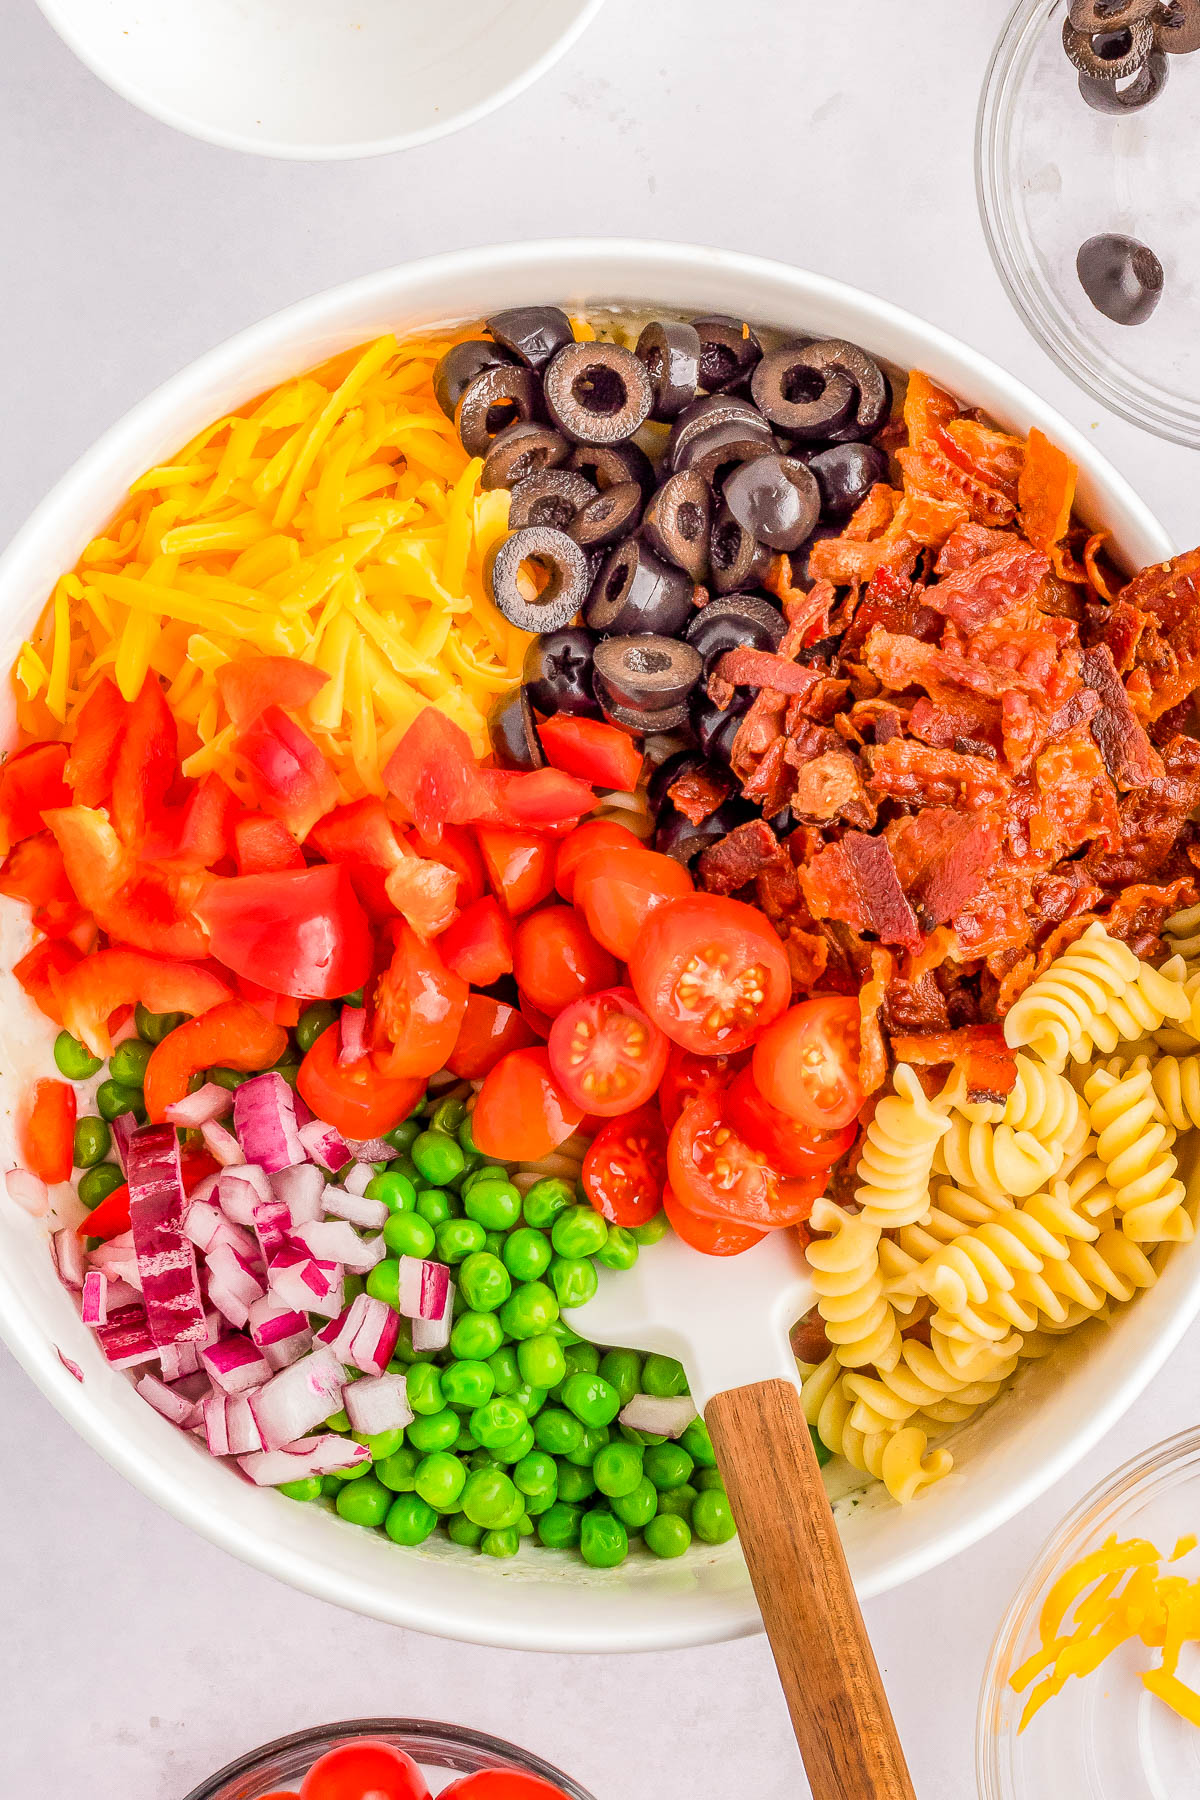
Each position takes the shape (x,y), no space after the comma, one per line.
(539,578)
(735,622)
(645,670)
(776,498)
(704,414)
(1130,96)
(722,447)
(498,398)
(814,390)
(558,672)
(521,450)
(715,730)
(598,393)
(635,591)
(845,474)
(737,559)
(532,333)
(676,836)
(608,465)
(668,772)
(1109,15)
(637,720)
(1122,278)
(1109,55)
(513,731)
(459,367)
(610,516)
(678,521)
(553,497)
(728,352)
(670,350)
(1177,27)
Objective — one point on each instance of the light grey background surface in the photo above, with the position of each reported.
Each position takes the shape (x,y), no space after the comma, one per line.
(133,1657)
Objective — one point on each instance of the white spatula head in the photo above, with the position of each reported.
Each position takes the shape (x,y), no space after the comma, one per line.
(726,1318)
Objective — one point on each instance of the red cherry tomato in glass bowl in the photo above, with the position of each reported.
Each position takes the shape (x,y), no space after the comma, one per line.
(715,1173)
(710,972)
(715,1237)
(688,1076)
(806,1063)
(501,1784)
(606,1054)
(557,960)
(593,834)
(364,1770)
(789,1147)
(618,889)
(626,1167)
(522,1114)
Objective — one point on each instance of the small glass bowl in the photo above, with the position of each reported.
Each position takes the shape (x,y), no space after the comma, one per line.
(441,1750)
(1052,172)
(1104,1737)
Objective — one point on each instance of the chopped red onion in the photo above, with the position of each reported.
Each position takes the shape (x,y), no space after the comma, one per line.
(307,1457)
(264,1118)
(368,1215)
(378,1403)
(120,1293)
(207,1103)
(301,1190)
(325,1145)
(426,1290)
(207,1226)
(299,1398)
(235,1364)
(304,1113)
(664,1417)
(334,1240)
(94,1303)
(166,1257)
(235,1275)
(164,1400)
(358,1179)
(352,1041)
(67,1248)
(300,1281)
(125,1339)
(270,1322)
(119,1262)
(364,1335)
(272,1223)
(221,1144)
(285,1351)
(371,1150)
(28,1190)
(122,1129)
(240,1189)
(180,1361)
(72,1368)
(433,1334)
(241,1426)
(214,1413)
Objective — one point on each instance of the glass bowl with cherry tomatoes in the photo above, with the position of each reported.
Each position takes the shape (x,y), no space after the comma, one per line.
(389,1759)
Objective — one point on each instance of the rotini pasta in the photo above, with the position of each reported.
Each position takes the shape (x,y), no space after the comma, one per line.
(1176,1083)
(1181,933)
(899,1458)
(1134,1144)
(1090,998)
(896,1160)
(859,1320)
(995,1159)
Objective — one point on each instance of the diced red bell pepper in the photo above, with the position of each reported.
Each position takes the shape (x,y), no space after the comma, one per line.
(301,931)
(232,1035)
(110,1218)
(479,944)
(48,1131)
(489,1030)
(354,1097)
(542,799)
(279,1009)
(434,775)
(99,728)
(41,969)
(261,845)
(91,990)
(358,833)
(198,833)
(30,782)
(34,871)
(149,909)
(591,748)
(519,864)
(147,763)
(253,683)
(291,779)
(195,1166)
(458,849)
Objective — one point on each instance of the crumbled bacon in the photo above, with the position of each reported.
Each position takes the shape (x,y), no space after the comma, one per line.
(918,1005)
(856,881)
(987,1063)
(905,770)
(747,851)
(763,669)
(942,857)
(699,793)
(1150,819)
(997,584)
(830,786)
(1129,756)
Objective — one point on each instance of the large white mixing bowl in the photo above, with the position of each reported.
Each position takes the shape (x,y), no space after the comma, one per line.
(1058,1409)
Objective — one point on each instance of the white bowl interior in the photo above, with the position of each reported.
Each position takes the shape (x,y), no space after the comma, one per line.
(1056,1411)
(318,78)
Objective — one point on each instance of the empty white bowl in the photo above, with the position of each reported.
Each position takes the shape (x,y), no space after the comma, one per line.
(543,1600)
(318,79)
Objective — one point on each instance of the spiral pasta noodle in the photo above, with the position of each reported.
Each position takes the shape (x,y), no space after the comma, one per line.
(859,1320)
(896,1160)
(1181,933)
(1091,997)
(1176,1083)
(1134,1144)
(995,1159)
(899,1458)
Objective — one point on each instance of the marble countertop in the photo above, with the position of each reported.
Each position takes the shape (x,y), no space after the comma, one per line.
(136,1658)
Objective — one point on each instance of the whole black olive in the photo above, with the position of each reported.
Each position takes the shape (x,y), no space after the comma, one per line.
(845,475)
(776,498)
(1109,55)
(814,390)
(635,592)
(513,732)
(728,352)
(678,521)
(553,497)
(683,762)
(737,560)
(1122,278)
(521,450)
(558,672)
(712,453)
(715,730)
(670,350)
(1143,87)
(610,516)
(539,578)
(638,721)
(1109,15)
(735,622)
(459,367)
(676,836)
(608,465)
(532,333)
(704,414)
(1177,27)
(645,671)
(598,393)
(498,398)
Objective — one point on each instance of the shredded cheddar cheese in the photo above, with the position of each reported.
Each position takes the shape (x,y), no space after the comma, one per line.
(336,519)
(1104,1600)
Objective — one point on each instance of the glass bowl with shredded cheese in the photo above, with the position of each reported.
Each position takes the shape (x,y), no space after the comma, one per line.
(1093,1687)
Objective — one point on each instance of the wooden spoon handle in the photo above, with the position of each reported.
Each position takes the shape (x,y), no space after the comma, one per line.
(840,1714)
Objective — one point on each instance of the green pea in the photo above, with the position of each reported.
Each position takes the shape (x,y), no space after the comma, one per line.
(557,1431)
(448,1115)
(530,1398)
(591,1398)
(617,1469)
(641,1438)
(365,1502)
(440,1480)
(404,1136)
(520,1446)
(309,1488)
(559,1526)
(635,1509)
(73,1059)
(439,1157)
(603,1540)
(127,1064)
(435,1206)
(487,1171)
(404,1356)
(410,1520)
(620,1251)
(581,1358)
(623,1369)
(436,1431)
(578,1231)
(468,1384)
(481,1459)
(154,1027)
(496,1204)
(529,1311)
(383,1281)
(475,1335)
(663,1376)
(575,1484)
(466,1136)
(358,1473)
(594,1439)
(698,1444)
(824,1453)
(492,1499)
(505,1370)
(383,1444)
(574,1280)
(503,1542)
(493,1243)
(355,999)
(536,1504)
(712,1517)
(667,1465)
(407,1234)
(707,1478)
(227,1078)
(541,1361)
(461,1530)
(536,1473)
(93,1141)
(404,1165)
(546,1199)
(339,1421)
(562,1331)
(679,1500)
(113,1099)
(396,1191)
(526,1253)
(667,1535)
(352,1286)
(313,1022)
(97,1183)
(653,1231)
(331,1487)
(484,1282)
(425,1390)
(466,1441)
(500,1421)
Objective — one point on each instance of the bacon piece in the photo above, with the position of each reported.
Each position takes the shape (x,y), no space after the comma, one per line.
(872,1051)
(762,669)
(720,692)
(1170,592)
(916,1005)
(826,698)
(995,585)
(1120,626)
(747,851)
(967,545)
(808,957)
(1077,804)
(1129,756)
(923,520)
(942,857)
(903,662)
(1067,889)
(856,881)
(1045,491)
(1150,818)
(830,786)
(978,1050)
(994,920)
(761,726)
(965,723)
(699,793)
(1136,916)
(904,770)
(770,785)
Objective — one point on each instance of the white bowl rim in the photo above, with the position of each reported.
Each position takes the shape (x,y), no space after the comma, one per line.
(607,265)
(284,150)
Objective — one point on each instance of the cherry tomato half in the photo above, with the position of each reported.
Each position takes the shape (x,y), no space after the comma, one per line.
(715,1173)
(419,1007)
(710,972)
(557,960)
(606,1054)
(688,1075)
(619,889)
(715,1237)
(364,1770)
(352,1097)
(626,1167)
(593,834)
(519,865)
(490,1029)
(789,1147)
(501,1784)
(522,1114)
(806,1063)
